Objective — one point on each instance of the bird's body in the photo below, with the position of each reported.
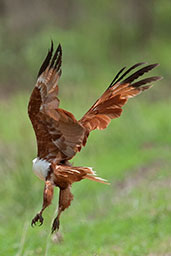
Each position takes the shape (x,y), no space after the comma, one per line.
(60,136)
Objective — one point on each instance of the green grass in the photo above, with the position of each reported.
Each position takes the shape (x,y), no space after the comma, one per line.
(129,217)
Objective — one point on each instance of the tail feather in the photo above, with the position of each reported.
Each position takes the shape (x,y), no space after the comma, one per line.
(91,175)
(76,173)
(97,179)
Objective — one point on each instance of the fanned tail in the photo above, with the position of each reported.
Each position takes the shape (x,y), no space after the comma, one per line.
(76,173)
(90,174)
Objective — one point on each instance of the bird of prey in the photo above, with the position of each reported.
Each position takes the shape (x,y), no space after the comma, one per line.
(60,136)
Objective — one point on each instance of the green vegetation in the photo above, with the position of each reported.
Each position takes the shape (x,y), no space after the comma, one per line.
(131,217)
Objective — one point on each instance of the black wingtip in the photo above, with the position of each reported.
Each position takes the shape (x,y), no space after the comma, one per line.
(155,65)
(146,81)
(117,75)
(46,61)
(51,48)
(59,58)
(56,60)
(59,48)
(139,73)
(151,66)
(118,78)
(135,75)
(130,69)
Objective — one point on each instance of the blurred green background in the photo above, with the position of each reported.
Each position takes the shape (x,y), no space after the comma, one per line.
(132,215)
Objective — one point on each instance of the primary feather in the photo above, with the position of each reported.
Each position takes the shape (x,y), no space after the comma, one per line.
(109,105)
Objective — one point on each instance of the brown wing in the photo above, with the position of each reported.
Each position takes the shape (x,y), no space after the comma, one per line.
(110,104)
(59,135)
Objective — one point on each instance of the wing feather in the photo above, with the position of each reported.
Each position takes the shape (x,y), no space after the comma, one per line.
(59,135)
(110,104)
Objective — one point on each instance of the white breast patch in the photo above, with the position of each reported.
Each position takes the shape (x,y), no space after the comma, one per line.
(41,168)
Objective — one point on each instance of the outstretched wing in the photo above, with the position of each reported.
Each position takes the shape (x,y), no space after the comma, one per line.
(110,104)
(59,135)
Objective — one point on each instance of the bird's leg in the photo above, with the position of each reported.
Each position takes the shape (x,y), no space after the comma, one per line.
(65,198)
(47,198)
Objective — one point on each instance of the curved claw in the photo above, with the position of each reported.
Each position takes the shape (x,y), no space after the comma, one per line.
(55,225)
(37,218)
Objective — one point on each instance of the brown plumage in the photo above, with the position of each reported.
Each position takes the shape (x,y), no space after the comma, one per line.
(60,136)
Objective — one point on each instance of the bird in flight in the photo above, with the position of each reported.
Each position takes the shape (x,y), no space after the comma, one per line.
(60,136)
